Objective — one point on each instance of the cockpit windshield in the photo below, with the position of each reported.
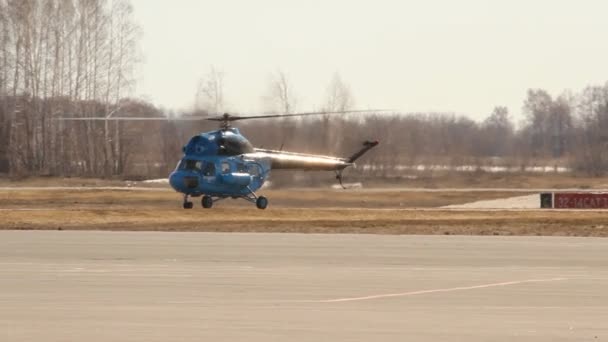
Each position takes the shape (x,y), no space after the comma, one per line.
(191,165)
(233,144)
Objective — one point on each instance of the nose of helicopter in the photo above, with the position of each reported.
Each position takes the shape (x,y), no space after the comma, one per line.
(183,182)
(174,180)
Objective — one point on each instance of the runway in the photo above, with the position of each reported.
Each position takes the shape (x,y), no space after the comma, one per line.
(151,286)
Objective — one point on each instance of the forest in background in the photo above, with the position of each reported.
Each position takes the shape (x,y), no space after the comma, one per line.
(76,58)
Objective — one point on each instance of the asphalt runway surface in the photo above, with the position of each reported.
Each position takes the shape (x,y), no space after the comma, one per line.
(150,286)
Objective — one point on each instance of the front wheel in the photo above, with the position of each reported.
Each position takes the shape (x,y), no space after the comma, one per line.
(207,202)
(261,202)
(187,205)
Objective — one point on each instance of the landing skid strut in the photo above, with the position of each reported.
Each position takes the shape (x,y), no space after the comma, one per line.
(261,202)
(207,201)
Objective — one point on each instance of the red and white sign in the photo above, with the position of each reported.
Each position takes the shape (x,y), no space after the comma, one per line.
(580,200)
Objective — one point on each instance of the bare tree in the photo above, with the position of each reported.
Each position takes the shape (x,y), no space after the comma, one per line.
(58,58)
(496,134)
(560,126)
(210,93)
(537,107)
(338,98)
(592,137)
(5,65)
(280,96)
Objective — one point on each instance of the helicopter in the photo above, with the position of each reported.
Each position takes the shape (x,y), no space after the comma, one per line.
(223,164)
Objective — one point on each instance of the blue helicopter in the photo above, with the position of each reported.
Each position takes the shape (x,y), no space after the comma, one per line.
(223,164)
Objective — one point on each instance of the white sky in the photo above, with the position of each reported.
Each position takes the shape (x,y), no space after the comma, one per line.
(463,56)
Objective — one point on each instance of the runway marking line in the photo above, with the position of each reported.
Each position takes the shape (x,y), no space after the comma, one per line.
(452,289)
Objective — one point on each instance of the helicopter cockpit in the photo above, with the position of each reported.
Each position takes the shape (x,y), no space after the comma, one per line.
(231,144)
(227,142)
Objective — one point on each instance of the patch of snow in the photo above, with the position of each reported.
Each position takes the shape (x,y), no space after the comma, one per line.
(518,202)
(157,181)
(473,168)
(348,186)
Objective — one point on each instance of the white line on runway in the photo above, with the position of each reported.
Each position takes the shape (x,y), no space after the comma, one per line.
(452,289)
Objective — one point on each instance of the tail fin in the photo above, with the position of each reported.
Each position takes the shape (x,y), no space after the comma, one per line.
(367,145)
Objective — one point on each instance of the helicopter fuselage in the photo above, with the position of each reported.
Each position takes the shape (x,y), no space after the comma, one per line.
(215,176)
(216,163)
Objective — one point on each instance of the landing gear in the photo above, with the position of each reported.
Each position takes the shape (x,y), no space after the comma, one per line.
(207,202)
(261,202)
(187,204)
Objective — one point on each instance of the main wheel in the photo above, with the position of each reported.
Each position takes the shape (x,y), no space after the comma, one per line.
(207,202)
(261,202)
(188,205)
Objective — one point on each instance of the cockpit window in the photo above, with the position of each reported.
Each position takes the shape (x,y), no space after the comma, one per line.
(191,165)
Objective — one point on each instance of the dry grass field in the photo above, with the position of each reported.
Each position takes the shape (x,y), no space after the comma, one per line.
(375,221)
(153,198)
(305,211)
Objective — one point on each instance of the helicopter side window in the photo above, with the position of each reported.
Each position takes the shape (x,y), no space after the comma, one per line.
(241,167)
(254,170)
(209,169)
(225,167)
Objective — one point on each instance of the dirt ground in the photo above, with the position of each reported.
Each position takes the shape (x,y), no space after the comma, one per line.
(303,211)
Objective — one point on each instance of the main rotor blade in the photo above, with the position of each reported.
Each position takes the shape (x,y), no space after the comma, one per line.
(228,117)
(223,118)
(126,118)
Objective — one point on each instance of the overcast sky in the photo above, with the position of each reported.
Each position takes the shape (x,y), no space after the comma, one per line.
(464,56)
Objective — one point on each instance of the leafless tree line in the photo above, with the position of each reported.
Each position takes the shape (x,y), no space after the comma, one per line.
(75,58)
(64,58)
(566,131)
(570,131)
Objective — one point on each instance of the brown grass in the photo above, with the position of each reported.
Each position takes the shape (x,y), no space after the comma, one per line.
(301,198)
(307,211)
(375,221)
